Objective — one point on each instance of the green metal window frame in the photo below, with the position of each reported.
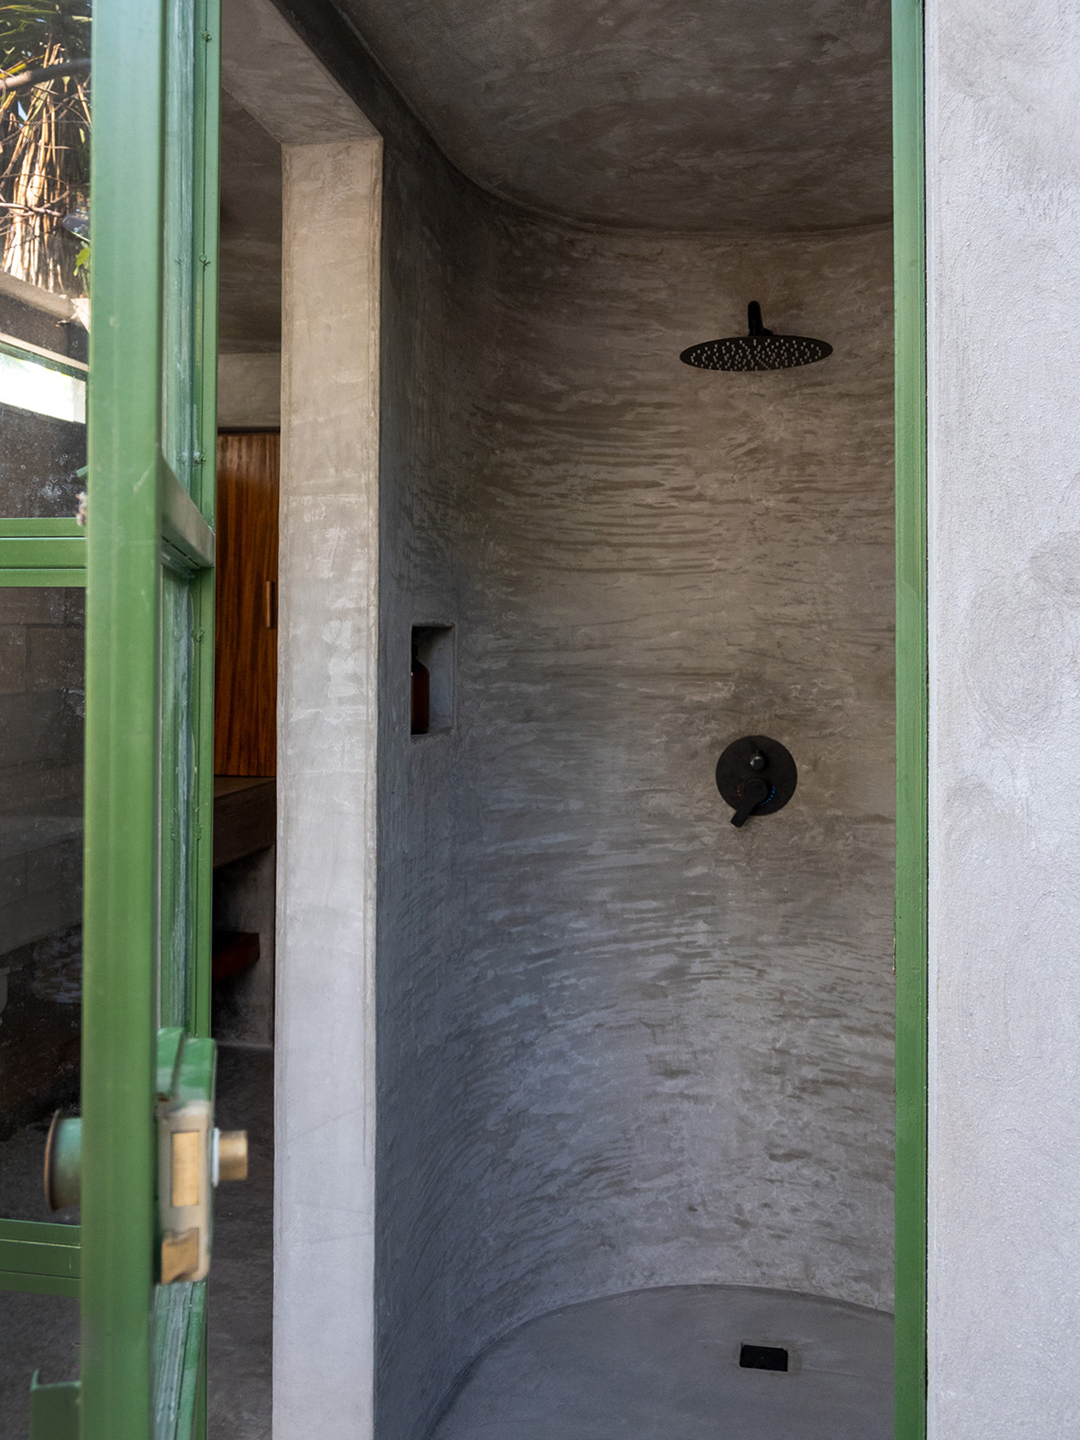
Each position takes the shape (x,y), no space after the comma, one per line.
(132,77)
(909,250)
(39,1258)
(42,552)
(48,359)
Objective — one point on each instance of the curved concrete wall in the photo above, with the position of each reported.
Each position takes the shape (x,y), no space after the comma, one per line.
(622,1044)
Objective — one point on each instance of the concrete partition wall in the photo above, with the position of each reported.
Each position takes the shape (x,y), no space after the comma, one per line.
(328,709)
(328,622)
(1003,172)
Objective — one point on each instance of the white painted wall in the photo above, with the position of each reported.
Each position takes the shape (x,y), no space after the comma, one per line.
(1003,173)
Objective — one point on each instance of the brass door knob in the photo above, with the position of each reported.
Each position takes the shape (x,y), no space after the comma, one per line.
(230,1154)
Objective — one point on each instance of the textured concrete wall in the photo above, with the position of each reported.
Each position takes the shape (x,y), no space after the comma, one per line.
(327,709)
(1003,166)
(620,1043)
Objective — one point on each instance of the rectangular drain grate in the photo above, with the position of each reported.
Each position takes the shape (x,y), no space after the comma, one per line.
(763,1357)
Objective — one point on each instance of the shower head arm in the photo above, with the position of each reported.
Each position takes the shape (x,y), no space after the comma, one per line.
(754,321)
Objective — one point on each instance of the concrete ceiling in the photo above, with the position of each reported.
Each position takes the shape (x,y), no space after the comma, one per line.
(736,117)
(249,294)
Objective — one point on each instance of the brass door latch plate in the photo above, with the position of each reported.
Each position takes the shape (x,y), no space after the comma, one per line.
(180,1257)
(185,1132)
(192,1155)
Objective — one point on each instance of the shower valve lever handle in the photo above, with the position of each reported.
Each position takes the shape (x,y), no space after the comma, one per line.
(755,793)
(756,776)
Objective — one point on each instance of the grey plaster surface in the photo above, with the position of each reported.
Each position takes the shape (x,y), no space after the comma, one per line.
(267,70)
(249,287)
(327,721)
(1003,170)
(722,116)
(622,1044)
(664,1365)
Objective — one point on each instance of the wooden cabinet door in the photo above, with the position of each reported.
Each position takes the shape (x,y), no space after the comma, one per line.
(245,671)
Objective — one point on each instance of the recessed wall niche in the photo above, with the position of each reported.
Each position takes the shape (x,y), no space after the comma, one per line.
(432,679)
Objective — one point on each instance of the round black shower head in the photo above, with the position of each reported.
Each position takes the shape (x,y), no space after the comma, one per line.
(760,350)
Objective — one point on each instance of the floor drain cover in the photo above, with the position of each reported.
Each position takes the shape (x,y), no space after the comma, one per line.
(763,1357)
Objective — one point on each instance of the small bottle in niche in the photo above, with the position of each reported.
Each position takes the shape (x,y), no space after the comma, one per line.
(421,695)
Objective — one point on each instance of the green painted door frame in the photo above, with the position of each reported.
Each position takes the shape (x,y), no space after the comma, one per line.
(149,785)
(146,559)
(909,241)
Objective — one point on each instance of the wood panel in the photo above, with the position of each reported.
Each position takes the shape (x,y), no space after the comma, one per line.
(245,670)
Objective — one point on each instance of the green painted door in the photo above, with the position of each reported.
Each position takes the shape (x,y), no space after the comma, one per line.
(107,390)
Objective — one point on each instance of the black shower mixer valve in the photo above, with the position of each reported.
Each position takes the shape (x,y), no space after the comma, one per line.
(756,776)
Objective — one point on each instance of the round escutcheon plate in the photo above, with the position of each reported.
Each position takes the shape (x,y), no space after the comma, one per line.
(757,758)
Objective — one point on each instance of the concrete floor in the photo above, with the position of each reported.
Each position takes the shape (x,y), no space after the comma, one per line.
(664,1365)
(242,1280)
(41,1332)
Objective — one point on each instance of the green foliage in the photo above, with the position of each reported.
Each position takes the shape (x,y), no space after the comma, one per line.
(27,32)
(44,144)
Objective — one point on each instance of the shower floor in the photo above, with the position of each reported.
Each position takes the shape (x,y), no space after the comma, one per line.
(664,1365)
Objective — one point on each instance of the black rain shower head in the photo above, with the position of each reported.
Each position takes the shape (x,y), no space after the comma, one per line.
(760,350)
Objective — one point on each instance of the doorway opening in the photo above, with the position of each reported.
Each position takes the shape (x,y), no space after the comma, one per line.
(620,1084)
(245,760)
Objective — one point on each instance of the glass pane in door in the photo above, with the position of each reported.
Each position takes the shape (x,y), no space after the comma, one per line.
(41,1332)
(179,437)
(44,256)
(177,788)
(42,643)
